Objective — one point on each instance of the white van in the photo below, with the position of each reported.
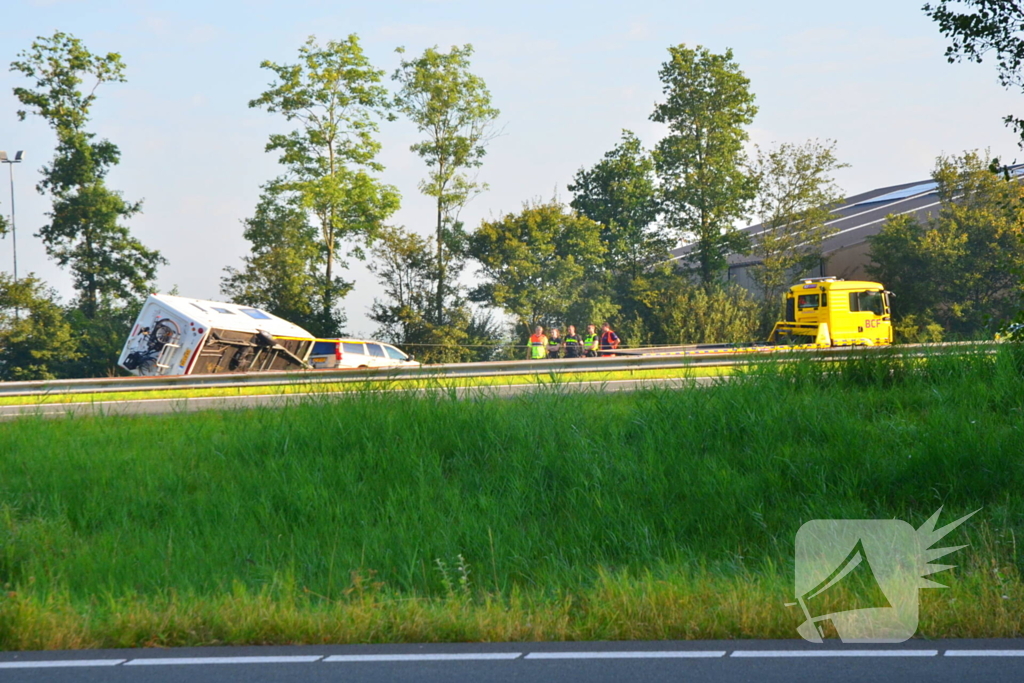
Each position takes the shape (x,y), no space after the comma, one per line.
(357,353)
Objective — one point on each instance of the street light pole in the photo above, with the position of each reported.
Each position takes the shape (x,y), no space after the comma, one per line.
(18,156)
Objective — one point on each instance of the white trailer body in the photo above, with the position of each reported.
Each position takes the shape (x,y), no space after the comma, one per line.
(175,335)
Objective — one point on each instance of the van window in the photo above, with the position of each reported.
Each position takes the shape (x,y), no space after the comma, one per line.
(868,302)
(395,353)
(805,301)
(376,350)
(324,348)
(353,347)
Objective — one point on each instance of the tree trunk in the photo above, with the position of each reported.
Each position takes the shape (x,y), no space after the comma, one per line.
(439,300)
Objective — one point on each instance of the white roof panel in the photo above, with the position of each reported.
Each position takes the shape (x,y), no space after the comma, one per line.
(220,315)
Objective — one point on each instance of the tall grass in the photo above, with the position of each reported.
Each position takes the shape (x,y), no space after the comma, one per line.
(560,514)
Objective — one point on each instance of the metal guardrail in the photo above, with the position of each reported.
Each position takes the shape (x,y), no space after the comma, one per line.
(624,360)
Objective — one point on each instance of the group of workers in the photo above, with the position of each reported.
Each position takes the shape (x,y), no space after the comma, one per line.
(572,345)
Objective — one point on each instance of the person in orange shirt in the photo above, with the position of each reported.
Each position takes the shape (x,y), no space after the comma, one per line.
(538,344)
(609,340)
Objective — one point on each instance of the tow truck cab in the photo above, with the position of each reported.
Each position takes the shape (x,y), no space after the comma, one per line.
(826,311)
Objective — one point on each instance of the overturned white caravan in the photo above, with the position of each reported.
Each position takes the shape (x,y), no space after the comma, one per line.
(174,335)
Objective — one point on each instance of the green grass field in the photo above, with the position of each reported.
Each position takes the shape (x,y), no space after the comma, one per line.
(559,515)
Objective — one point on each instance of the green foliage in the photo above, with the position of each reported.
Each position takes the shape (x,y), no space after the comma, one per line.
(84,233)
(705,189)
(795,196)
(684,313)
(35,337)
(100,339)
(283,273)
(333,95)
(990,26)
(404,265)
(917,329)
(452,107)
(541,266)
(961,267)
(620,193)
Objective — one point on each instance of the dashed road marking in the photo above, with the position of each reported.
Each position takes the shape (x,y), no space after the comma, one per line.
(60,663)
(641,654)
(425,657)
(171,661)
(835,653)
(500,656)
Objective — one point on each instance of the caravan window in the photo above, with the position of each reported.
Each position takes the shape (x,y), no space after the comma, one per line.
(255,313)
(224,310)
(199,307)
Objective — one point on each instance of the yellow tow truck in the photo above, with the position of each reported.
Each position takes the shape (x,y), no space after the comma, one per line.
(827,311)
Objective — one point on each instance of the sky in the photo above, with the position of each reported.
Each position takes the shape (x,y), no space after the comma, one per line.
(568,77)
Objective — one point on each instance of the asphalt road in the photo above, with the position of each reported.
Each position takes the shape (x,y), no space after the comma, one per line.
(792,661)
(184,405)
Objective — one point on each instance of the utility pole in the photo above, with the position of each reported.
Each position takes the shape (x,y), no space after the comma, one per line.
(18,156)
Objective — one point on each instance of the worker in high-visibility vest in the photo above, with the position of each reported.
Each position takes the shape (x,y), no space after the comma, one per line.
(538,344)
(609,340)
(555,343)
(591,341)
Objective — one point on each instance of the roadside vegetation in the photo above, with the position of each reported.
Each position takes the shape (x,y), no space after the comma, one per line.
(468,292)
(386,518)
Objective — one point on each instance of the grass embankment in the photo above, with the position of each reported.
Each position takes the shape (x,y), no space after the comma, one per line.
(371,383)
(660,514)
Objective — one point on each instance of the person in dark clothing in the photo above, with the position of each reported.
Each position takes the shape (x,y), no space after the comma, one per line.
(555,344)
(573,343)
(609,340)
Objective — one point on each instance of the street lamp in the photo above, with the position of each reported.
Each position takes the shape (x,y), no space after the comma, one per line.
(18,156)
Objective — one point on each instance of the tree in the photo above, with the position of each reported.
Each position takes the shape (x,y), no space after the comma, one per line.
(990,26)
(85,231)
(962,266)
(335,97)
(283,273)
(452,106)
(795,197)
(35,338)
(543,266)
(620,193)
(99,339)
(700,162)
(404,264)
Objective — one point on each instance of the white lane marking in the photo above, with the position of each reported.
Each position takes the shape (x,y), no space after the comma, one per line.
(835,653)
(53,664)
(170,661)
(985,653)
(652,654)
(439,657)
